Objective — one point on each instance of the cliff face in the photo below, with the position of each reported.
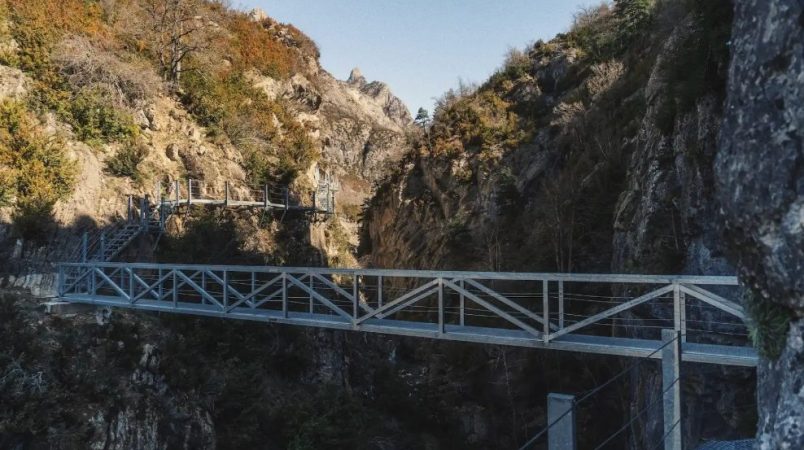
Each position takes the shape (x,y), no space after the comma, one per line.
(588,160)
(760,175)
(88,77)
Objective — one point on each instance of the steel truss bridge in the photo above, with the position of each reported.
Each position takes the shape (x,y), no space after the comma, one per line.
(670,318)
(620,315)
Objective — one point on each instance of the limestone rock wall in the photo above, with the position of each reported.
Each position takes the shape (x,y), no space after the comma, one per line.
(760,175)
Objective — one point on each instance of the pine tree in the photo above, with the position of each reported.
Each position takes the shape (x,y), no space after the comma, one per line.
(422,118)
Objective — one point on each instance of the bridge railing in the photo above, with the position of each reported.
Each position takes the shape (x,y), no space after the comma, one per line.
(200,192)
(533,309)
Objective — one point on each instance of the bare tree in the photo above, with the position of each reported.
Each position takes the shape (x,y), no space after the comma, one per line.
(175,29)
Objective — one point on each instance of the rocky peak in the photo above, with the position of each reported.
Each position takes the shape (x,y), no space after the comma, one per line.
(257,15)
(356,78)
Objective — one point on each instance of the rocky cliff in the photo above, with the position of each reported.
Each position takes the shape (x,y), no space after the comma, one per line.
(761,190)
(251,106)
(593,152)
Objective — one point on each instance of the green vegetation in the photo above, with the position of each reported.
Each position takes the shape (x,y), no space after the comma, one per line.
(95,120)
(768,324)
(37,26)
(276,146)
(34,170)
(698,67)
(84,60)
(605,32)
(126,162)
(341,251)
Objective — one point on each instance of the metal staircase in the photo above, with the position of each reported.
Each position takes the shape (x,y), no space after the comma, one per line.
(105,244)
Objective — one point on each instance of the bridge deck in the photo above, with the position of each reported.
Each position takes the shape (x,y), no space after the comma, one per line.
(617,346)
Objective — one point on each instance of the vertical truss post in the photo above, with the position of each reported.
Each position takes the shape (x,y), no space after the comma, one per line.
(355,293)
(679,313)
(93,286)
(560,304)
(546,310)
(131,289)
(158,190)
(225,290)
(285,295)
(253,286)
(561,415)
(189,191)
(143,213)
(441,305)
(312,288)
(671,387)
(379,291)
(226,193)
(265,196)
(60,285)
(462,305)
(175,289)
(161,287)
(682,304)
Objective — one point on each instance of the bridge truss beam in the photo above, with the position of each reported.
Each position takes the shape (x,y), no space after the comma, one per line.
(592,313)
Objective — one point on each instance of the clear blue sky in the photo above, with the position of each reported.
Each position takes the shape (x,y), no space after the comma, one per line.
(420,47)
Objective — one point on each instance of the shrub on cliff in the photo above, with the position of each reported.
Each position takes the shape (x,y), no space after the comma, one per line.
(35,170)
(126,162)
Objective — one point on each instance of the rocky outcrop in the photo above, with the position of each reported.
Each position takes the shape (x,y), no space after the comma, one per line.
(618,176)
(361,125)
(760,175)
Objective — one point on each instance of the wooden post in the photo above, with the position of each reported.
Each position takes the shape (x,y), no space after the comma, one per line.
(226,193)
(176,188)
(189,191)
(265,196)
